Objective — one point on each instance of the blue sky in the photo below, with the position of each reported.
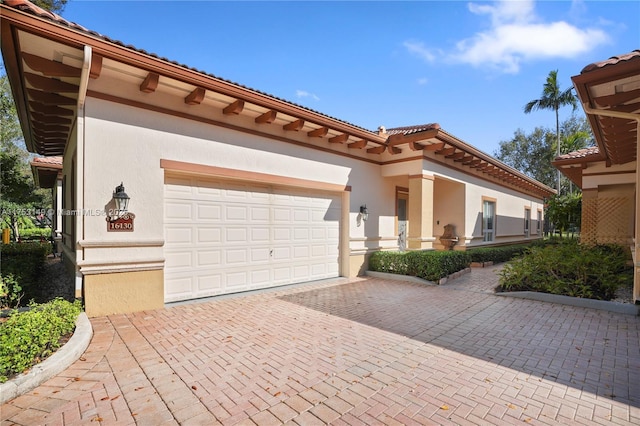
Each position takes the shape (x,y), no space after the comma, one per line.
(470,66)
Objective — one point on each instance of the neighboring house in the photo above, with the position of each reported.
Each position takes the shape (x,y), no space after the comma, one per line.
(47,173)
(232,189)
(608,173)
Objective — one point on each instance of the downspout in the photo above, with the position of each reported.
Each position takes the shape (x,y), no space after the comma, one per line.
(636,240)
(80,170)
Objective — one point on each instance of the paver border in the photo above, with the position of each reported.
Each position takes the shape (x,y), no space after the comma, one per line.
(604,305)
(53,365)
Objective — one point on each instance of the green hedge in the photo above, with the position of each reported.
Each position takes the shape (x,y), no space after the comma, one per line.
(35,234)
(26,338)
(429,265)
(571,269)
(497,254)
(25,262)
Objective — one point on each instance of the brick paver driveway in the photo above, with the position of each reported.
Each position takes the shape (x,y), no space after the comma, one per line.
(365,351)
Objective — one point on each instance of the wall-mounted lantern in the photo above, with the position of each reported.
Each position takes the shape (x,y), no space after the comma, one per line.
(364,213)
(122,220)
(121,200)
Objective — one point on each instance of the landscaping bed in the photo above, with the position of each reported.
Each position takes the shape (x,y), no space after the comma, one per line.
(568,268)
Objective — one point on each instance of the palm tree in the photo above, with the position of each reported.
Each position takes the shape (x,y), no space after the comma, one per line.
(553,98)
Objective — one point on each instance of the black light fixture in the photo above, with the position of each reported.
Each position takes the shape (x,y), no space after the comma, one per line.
(121,199)
(364,213)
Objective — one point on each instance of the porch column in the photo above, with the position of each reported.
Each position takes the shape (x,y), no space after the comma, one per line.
(420,212)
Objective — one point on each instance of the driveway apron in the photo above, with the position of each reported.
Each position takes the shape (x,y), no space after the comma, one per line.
(350,352)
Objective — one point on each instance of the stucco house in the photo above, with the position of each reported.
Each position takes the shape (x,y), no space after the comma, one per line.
(608,173)
(229,188)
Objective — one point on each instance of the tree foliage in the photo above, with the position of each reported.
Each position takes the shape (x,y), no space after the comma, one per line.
(533,153)
(553,98)
(55,6)
(20,200)
(565,212)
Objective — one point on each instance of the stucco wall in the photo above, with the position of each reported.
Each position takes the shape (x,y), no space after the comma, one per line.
(126,144)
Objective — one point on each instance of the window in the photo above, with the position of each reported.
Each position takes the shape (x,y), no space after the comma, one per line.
(488,220)
(539,223)
(527,221)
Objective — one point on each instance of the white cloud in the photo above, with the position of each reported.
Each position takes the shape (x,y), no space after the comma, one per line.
(422,81)
(516,35)
(305,94)
(418,48)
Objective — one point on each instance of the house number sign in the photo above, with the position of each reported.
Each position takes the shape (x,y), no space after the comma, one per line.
(121,224)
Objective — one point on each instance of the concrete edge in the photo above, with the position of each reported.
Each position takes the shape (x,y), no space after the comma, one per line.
(59,361)
(416,280)
(604,305)
(398,277)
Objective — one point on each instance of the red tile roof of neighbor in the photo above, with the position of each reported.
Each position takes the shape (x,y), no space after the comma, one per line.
(44,161)
(581,153)
(631,56)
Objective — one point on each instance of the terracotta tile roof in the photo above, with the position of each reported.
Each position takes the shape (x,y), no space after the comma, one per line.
(46,161)
(592,151)
(631,56)
(28,7)
(409,130)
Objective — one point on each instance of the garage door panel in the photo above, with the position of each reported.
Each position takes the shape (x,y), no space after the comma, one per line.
(236,256)
(208,258)
(209,235)
(224,237)
(208,212)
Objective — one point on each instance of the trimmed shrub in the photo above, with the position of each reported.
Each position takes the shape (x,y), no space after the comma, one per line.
(497,254)
(429,265)
(10,292)
(392,262)
(35,234)
(569,268)
(26,338)
(25,262)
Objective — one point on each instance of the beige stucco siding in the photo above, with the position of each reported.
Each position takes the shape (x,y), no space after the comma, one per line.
(126,145)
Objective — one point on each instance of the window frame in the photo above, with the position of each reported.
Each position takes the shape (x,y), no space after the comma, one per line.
(489,235)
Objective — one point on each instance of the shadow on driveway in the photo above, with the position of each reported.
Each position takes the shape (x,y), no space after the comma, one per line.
(585,349)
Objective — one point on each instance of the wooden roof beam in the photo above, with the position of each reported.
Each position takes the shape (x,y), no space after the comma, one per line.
(456,156)
(50,119)
(362,143)
(50,68)
(617,98)
(434,146)
(96,66)
(51,98)
(195,97)
(150,83)
(294,125)
(339,139)
(266,118)
(393,150)
(234,108)
(318,133)
(446,151)
(377,149)
(50,109)
(50,84)
(464,159)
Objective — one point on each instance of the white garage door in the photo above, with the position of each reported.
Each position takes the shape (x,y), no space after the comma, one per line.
(226,237)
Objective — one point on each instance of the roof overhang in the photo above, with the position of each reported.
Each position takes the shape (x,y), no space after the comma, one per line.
(437,144)
(610,95)
(46,171)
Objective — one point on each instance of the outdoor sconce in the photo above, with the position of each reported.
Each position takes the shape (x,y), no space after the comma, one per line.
(121,199)
(364,213)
